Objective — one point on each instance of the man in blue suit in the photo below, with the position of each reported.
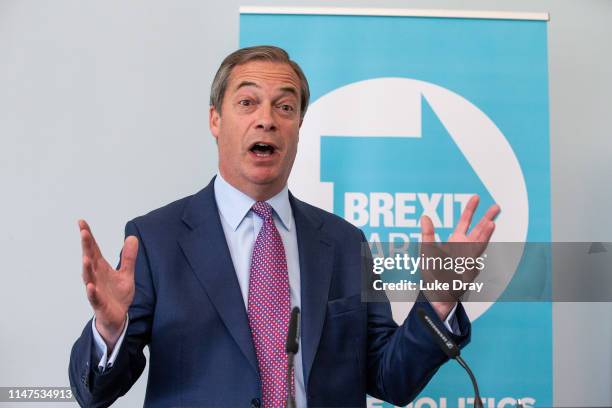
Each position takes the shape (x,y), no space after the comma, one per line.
(187,285)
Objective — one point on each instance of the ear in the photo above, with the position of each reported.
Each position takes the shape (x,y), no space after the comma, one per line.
(214,121)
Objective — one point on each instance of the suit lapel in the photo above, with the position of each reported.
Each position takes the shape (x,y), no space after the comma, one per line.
(206,250)
(316,261)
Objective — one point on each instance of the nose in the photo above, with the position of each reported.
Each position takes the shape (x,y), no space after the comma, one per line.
(265,121)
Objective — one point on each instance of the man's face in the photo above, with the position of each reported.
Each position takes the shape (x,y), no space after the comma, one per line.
(257,128)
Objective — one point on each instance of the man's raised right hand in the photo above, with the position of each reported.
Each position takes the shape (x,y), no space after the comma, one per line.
(110,291)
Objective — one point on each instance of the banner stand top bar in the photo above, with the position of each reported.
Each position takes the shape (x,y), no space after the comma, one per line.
(391,12)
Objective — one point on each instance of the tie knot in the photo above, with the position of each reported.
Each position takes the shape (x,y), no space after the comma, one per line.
(263,209)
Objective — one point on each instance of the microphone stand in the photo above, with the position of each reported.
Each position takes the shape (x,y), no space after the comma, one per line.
(450,349)
(477,400)
(290,397)
(291,348)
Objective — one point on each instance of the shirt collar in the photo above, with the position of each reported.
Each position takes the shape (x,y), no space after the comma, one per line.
(234,205)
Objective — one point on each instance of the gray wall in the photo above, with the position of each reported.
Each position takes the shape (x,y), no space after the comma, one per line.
(103,115)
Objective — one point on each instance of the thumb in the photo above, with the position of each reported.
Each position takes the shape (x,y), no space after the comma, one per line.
(427,230)
(129,253)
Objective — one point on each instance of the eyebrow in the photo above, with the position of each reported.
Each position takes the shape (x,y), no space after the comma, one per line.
(290,89)
(247,83)
(285,89)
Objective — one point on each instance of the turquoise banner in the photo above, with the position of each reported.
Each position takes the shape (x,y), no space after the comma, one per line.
(412,116)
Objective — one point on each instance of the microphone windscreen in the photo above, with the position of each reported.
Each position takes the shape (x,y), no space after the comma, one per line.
(446,344)
(292,345)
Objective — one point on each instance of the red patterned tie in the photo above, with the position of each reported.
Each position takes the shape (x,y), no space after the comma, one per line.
(269,308)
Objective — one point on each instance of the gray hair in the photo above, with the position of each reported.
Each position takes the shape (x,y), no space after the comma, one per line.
(257,53)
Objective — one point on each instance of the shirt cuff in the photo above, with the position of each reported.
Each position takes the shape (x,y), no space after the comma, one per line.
(100,349)
(451,321)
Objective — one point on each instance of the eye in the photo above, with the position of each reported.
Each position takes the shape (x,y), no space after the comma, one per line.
(245,102)
(286,107)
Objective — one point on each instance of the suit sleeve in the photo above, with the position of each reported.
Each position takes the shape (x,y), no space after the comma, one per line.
(93,388)
(402,359)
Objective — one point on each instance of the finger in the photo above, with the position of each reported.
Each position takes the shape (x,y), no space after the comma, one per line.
(83,225)
(488,232)
(92,295)
(476,232)
(88,273)
(482,241)
(481,227)
(87,245)
(88,242)
(492,212)
(427,230)
(91,250)
(129,254)
(466,217)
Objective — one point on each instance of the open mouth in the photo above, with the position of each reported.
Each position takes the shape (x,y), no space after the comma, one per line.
(263,149)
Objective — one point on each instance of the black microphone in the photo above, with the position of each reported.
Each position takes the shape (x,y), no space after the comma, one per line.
(292,345)
(449,348)
(291,348)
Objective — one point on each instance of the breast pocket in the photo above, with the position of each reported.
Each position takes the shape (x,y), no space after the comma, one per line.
(339,347)
(344,305)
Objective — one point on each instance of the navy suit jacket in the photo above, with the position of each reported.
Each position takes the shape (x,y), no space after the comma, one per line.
(189,310)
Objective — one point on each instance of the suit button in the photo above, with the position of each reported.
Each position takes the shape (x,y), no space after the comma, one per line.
(255,403)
